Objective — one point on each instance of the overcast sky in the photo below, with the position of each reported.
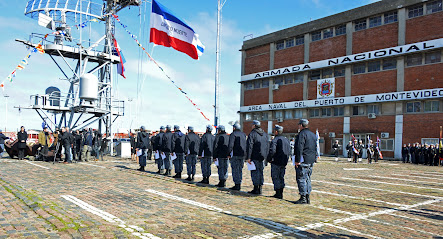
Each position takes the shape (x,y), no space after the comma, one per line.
(159,102)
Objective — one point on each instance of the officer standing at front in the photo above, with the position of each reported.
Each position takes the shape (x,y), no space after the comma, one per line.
(221,153)
(143,143)
(237,148)
(305,156)
(192,144)
(279,153)
(167,149)
(158,148)
(257,149)
(178,148)
(205,153)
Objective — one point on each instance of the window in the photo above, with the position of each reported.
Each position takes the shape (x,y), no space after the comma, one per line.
(300,40)
(256,116)
(314,113)
(373,66)
(290,43)
(265,83)
(432,57)
(316,36)
(375,21)
(248,117)
(340,30)
(328,33)
(434,6)
(359,68)
(358,110)
(288,114)
(414,60)
(278,115)
(389,64)
(374,109)
(299,78)
(412,107)
(360,25)
(264,116)
(432,106)
(339,111)
(326,112)
(289,79)
(278,81)
(339,71)
(298,114)
(415,11)
(280,45)
(391,17)
(429,141)
(327,73)
(387,144)
(257,84)
(315,75)
(249,85)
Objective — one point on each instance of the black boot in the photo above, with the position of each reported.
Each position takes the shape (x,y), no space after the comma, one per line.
(142,169)
(192,177)
(260,189)
(281,193)
(178,175)
(221,184)
(255,190)
(159,171)
(307,199)
(169,172)
(236,187)
(302,200)
(188,178)
(278,193)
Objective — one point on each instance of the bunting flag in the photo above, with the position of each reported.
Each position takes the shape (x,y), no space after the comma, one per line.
(378,148)
(155,62)
(353,145)
(170,31)
(23,63)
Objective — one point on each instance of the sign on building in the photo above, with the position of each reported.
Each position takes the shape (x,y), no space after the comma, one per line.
(326,88)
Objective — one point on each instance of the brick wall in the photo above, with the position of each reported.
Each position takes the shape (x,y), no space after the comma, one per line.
(312,89)
(327,48)
(339,87)
(424,77)
(289,56)
(375,38)
(288,93)
(256,96)
(424,28)
(418,126)
(375,82)
(257,59)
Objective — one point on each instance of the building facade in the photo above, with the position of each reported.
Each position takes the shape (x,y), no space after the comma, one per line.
(374,71)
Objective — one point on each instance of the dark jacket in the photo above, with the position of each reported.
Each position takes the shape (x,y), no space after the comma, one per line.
(3,138)
(67,139)
(349,149)
(132,141)
(167,142)
(206,145)
(221,145)
(178,142)
(97,141)
(78,140)
(87,139)
(279,151)
(158,139)
(306,146)
(22,137)
(257,145)
(143,141)
(192,143)
(404,151)
(237,143)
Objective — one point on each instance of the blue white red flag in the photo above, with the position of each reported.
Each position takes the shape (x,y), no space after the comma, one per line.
(120,67)
(378,147)
(170,31)
(317,135)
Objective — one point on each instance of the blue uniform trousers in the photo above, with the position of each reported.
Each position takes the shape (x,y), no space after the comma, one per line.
(223,164)
(159,161)
(278,176)
(178,163)
(237,163)
(257,174)
(303,176)
(167,161)
(191,161)
(142,158)
(206,166)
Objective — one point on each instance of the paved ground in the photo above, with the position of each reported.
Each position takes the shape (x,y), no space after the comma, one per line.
(110,199)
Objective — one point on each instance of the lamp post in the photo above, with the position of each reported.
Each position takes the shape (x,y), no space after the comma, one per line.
(6,110)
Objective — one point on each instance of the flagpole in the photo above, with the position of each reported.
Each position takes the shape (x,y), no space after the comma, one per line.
(217,64)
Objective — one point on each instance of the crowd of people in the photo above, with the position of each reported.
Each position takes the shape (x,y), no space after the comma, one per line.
(172,148)
(421,154)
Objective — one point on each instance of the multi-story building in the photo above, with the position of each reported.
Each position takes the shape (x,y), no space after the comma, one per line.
(371,71)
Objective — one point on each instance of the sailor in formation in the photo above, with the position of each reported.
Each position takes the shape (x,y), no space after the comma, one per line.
(257,149)
(192,144)
(178,149)
(237,147)
(279,152)
(221,155)
(205,153)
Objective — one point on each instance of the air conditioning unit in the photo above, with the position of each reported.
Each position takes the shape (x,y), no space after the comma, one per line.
(331,134)
(384,135)
(275,87)
(279,120)
(372,116)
